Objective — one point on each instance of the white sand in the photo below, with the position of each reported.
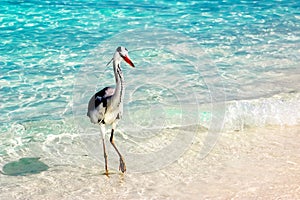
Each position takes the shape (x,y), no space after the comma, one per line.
(254,164)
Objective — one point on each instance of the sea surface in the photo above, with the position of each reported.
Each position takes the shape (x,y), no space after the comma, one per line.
(212,103)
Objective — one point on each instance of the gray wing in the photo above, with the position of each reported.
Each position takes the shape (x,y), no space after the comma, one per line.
(98,104)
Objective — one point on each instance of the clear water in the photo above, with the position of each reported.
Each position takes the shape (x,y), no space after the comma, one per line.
(202,68)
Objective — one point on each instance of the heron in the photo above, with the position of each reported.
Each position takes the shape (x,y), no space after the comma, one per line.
(106,106)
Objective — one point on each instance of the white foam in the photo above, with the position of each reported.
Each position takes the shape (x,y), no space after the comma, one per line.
(280,110)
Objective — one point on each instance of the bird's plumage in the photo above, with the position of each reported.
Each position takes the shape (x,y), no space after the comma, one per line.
(99,104)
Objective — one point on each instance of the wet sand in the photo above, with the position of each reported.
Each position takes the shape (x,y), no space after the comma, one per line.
(261,163)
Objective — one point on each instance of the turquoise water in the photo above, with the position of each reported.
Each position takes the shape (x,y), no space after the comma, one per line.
(45,44)
(222,65)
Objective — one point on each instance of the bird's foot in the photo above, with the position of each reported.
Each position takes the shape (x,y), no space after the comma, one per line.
(122,166)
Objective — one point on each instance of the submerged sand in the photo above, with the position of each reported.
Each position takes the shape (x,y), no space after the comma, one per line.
(261,163)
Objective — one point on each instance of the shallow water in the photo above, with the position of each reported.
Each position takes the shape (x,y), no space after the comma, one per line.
(257,163)
(212,103)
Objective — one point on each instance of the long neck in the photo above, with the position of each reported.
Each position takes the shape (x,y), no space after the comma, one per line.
(117,98)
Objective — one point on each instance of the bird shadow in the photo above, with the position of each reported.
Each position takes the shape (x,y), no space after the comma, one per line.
(24,166)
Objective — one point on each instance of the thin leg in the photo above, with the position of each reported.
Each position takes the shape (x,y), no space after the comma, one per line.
(105,157)
(102,130)
(122,166)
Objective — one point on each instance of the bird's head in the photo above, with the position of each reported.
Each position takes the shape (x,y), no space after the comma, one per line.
(121,54)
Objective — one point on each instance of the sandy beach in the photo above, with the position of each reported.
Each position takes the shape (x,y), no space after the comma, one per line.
(260,163)
(211,109)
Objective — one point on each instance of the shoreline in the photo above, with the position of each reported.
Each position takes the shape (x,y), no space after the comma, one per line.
(258,162)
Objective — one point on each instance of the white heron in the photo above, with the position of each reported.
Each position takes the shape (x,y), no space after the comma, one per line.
(106,106)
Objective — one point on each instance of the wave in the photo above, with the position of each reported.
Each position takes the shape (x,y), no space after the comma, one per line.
(280,110)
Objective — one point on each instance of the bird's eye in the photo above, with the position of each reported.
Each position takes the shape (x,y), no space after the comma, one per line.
(126,49)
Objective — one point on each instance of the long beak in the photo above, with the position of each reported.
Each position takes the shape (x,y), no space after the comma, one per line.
(128,60)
